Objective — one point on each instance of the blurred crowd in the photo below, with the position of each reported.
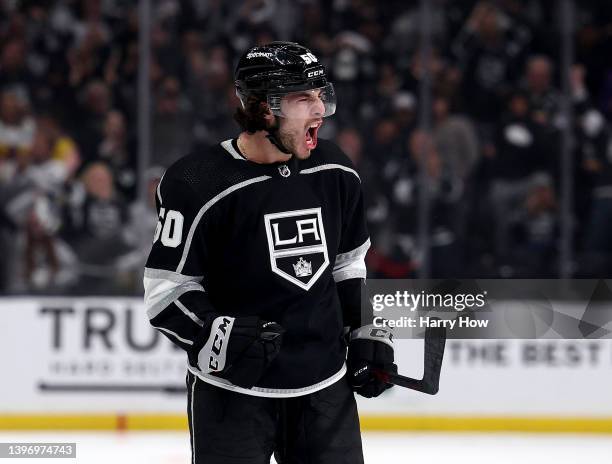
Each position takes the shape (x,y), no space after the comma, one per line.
(70,217)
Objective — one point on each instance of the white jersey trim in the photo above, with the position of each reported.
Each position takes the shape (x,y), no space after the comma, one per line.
(227,144)
(175,335)
(162,288)
(357,272)
(205,208)
(325,167)
(188,313)
(269,392)
(154,273)
(359,252)
(351,264)
(158,189)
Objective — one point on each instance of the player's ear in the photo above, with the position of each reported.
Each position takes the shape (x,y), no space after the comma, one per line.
(267,114)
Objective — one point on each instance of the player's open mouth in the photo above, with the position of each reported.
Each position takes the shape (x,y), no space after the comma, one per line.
(311,135)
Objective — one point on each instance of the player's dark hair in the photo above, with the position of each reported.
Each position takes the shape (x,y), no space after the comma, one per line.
(252,117)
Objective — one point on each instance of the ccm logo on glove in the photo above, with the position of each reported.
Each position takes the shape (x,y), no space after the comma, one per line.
(238,349)
(216,348)
(370,348)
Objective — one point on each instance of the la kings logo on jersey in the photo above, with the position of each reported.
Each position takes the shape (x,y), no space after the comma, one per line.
(298,250)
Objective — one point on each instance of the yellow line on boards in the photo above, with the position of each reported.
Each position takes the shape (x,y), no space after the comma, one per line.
(57,422)
(488,424)
(368,423)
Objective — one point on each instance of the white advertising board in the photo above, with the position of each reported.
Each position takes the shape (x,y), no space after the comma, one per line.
(95,355)
(100,356)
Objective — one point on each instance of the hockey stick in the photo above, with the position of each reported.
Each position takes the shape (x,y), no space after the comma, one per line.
(435,340)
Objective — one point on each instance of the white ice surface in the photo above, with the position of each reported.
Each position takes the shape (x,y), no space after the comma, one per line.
(379,448)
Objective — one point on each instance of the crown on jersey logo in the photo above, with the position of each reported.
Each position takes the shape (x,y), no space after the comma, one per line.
(302,268)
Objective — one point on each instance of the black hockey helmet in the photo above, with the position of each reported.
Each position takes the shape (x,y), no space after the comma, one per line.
(276,69)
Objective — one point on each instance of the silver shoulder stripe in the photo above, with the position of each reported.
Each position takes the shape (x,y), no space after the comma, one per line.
(205,208)
(325,167)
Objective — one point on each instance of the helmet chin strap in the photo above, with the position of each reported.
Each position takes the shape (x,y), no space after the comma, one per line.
(274,138)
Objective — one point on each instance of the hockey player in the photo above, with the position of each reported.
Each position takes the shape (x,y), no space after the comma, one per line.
(256,269)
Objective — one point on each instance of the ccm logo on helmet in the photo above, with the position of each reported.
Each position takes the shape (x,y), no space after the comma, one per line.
(319,72)
(309,58)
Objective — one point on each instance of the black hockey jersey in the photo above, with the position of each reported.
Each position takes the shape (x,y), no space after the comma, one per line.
(237,238)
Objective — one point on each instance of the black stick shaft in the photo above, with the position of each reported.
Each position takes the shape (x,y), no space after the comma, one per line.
(435,341)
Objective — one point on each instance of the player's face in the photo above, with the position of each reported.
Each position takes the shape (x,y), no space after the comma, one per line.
(298,131)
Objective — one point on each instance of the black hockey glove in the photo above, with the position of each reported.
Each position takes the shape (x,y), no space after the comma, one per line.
(238,349)
(369,347)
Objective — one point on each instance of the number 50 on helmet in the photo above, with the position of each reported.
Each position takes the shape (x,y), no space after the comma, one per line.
(288,77)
